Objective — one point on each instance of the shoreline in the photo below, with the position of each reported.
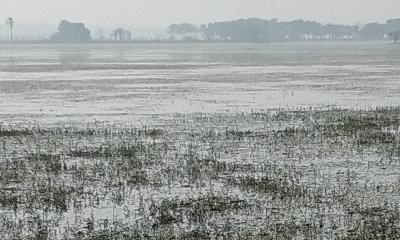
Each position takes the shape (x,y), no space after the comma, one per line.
(186,42)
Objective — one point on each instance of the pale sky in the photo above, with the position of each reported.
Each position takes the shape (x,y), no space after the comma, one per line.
(163,12)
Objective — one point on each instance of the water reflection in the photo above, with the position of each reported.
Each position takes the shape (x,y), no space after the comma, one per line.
(75,55)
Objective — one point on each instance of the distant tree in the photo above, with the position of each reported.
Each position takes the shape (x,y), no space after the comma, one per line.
(10,23)
(333,31)
(121,34)
(393,25)
(118,34)
(203,31)
(71,32)
(395,36)
(393,28)
(242,30)
(183,30)
(128,35)
(260,30)
(373,31)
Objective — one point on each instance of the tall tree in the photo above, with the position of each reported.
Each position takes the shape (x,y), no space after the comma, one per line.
(10,23)
(71,32)
(121,34)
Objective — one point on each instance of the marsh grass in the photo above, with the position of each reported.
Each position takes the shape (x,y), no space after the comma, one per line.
(314,173)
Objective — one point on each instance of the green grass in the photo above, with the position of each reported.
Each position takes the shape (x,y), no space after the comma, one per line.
(304,174)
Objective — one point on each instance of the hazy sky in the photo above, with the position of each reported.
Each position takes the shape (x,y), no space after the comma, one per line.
(164,12)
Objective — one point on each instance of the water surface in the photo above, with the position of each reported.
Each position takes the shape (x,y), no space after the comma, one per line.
(125,82)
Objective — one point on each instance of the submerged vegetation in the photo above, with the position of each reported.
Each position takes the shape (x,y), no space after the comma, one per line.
(319,173)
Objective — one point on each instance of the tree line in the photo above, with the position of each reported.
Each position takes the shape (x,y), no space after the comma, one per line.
(261,30)
(241,30)
(75,32)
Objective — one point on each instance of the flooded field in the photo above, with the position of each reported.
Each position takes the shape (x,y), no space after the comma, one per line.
(200,141)
(121,82)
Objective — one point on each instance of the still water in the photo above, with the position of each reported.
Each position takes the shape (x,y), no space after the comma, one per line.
(118,82)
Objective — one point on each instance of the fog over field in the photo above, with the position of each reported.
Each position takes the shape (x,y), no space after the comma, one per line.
(151,18)
(161,13)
